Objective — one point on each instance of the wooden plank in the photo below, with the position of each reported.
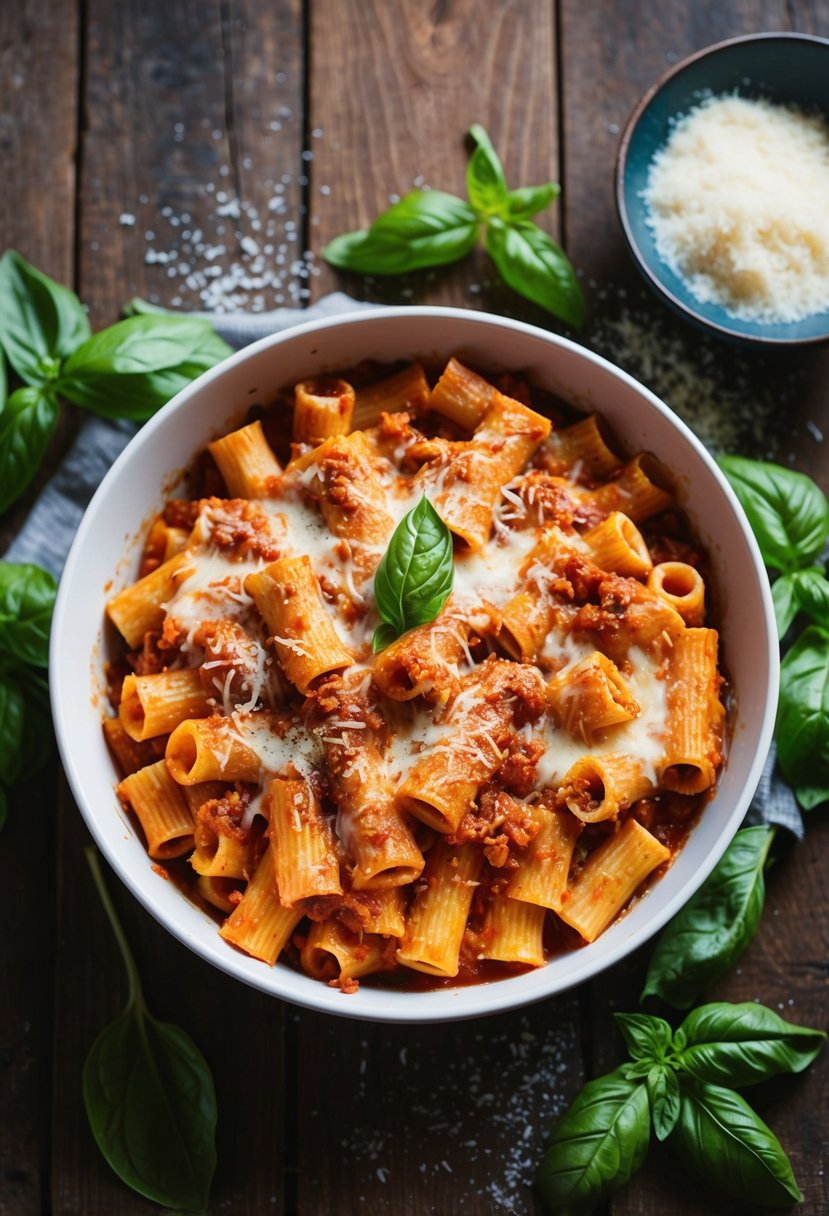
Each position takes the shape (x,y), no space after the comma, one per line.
(194,121)
(38,123)
(411,1119)
(399,121)
(733,401)
(191,111)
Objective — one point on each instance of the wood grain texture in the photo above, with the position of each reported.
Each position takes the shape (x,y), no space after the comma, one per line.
(38,127)
(193,118)
(407,1120)
(393,89)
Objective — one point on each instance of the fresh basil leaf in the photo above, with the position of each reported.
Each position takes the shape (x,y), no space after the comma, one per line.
(742,1044)
(527,201)
(647,1037)
(811,589)
(785,602)
(26,425)
(426,228)
(149,1096)
(486,185)
(788,512)
(720,1138)
(531,263)
(133,368)
(597,1147)
(40,321)
(710,933)
(27,597)
(12,716)
(384,635)
(802,732)
(663,1096)
(414,578)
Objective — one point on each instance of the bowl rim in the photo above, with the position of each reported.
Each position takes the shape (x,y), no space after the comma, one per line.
(499,997)
(751,341)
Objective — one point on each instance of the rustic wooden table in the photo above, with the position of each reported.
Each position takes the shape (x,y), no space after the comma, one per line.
(201,154)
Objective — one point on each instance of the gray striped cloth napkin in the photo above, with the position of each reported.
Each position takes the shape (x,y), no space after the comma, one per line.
(46,536)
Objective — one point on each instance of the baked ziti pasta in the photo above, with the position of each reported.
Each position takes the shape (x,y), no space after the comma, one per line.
(493,785)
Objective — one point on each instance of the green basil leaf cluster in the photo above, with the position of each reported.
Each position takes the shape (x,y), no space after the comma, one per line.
(705,939)
(126,371)
(789,514)
(149,1096)
(414,578)
(431,228)
(27,597)
(681,1085)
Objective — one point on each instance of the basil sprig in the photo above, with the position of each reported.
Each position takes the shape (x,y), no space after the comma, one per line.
(681,1084)
(27,597)
(432,228)
(126,371)
(709,934)
(414,578)
(149,1095)
(789,514)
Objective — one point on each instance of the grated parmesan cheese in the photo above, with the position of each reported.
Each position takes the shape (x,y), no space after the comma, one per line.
(738,204)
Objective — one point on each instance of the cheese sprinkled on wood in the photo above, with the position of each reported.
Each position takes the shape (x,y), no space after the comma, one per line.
(739,207)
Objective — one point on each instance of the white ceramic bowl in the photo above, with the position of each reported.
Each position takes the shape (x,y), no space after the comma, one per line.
(105,549)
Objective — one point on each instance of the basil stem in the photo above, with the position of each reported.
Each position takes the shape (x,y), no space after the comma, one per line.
(149,1095)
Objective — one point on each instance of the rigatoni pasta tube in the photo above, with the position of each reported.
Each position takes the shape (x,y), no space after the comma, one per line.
(513,931)
(461,395)
(259,924)
(161,810)
(306,855)
(617,544)
(467,487)
(424,661)
(683,587)
(405,390)
(581,445)
(637,491)
(373,831)
(598,787)
(609,877)
(246,462)
(590,696)
(693,747)
(437,918)
(322,407)
(140,608)
(287,595)
(154,704)
(543,868)
(210,749)
(331,952)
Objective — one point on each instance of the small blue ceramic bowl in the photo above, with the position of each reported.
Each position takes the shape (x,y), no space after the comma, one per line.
(791,69)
